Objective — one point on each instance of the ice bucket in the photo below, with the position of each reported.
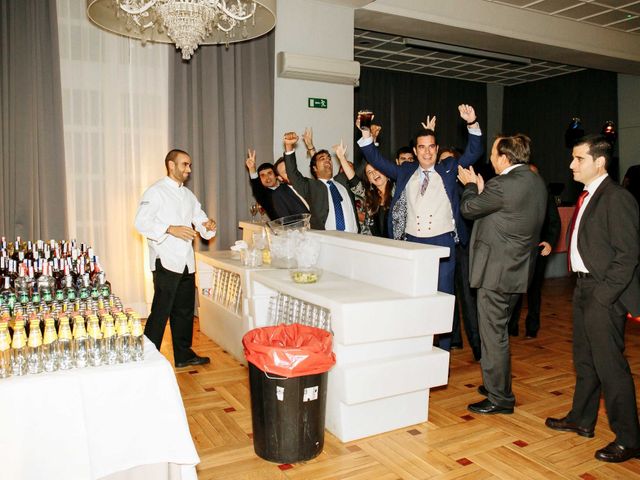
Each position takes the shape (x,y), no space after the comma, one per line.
(283,234)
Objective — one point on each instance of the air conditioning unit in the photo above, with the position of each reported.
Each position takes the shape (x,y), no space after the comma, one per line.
(320,69)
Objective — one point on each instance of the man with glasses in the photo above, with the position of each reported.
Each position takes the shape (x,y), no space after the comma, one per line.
(426,204)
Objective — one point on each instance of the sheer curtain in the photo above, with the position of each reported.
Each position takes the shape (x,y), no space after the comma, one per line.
(32,173)
(115,105)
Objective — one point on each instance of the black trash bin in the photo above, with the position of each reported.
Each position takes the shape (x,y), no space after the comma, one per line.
(288,366)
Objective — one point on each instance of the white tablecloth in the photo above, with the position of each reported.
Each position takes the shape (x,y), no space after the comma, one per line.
(89,423)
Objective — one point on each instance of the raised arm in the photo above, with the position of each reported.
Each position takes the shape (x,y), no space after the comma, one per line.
(299,181)
(474,148)
(373,156)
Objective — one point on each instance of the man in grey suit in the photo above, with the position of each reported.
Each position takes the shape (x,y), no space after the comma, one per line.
(508,212)
(604,244)
(330,199)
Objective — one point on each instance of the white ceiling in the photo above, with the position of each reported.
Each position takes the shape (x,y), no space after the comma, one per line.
(559,36)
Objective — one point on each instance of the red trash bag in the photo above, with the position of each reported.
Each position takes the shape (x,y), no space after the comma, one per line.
(289,350)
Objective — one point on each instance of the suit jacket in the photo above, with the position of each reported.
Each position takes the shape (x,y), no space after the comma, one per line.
(278,202)
(447,169)
(315,191)
(609,244)
(508,217)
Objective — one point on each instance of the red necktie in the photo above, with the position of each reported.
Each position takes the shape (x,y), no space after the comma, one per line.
(579,203)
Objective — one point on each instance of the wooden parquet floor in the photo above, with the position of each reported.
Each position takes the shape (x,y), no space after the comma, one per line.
(453,444)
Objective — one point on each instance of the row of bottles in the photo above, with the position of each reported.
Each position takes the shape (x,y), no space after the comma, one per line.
(94,340)
(36,272)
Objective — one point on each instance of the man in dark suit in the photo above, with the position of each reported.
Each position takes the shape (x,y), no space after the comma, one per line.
(604,244)
(278,199)
(330,198)
(508,213)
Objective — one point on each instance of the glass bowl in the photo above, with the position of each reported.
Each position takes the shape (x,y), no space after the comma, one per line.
(305,275)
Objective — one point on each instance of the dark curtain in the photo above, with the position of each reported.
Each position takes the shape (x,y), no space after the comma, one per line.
(32,170)
(221,103)
(544,109)
(400,101)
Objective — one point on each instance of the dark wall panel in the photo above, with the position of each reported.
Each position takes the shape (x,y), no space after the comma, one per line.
(401,101)
(544,109)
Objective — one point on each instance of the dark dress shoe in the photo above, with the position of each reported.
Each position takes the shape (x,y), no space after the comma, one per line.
(563,425)
(193,362)
(615,453)
(487,407)
(456,345)
(531,335)
(477,353)
(483,391)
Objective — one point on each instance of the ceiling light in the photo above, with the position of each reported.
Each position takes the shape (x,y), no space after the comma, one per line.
(187,23)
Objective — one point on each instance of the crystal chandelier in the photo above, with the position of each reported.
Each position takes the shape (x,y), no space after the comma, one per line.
(187,23)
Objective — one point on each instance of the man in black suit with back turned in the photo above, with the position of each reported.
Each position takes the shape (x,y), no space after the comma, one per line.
(604,244)
(508,213)
(277,198)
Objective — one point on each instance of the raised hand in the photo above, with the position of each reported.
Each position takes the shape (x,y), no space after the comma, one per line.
(251,161)
(341,150)
(429,123)
(375,131)
(290,140)
(467,113)
(467,175)
(307,138)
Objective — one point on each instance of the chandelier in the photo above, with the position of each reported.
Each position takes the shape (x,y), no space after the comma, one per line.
(187,23)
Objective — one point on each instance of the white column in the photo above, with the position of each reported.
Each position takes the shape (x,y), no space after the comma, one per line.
(313,28)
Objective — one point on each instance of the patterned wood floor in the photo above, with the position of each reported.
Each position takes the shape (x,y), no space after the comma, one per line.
(452,444)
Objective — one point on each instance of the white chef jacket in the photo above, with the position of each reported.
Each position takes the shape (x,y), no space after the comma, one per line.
(167,203)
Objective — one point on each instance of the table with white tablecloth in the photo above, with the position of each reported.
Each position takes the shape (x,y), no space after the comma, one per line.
(113,421)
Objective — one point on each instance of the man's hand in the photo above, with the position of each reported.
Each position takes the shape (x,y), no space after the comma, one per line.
(467,113)
(209,225)
(290,140)
(467,175)
(429,123)
(180,231)
(375,131)
(251,161)
(307,138)
(341,150)
(546,248)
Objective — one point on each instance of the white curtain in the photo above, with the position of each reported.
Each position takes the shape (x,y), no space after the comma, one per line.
(115,107)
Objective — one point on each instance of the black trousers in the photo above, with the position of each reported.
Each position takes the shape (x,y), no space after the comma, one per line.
(173,299)
(534,300)
(494,311)
(598,357)
(465,303)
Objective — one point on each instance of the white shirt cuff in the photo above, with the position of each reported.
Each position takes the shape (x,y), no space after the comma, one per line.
(364,141)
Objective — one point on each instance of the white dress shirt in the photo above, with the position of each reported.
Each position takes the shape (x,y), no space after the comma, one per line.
(350,222)
(577,265)
(167,203)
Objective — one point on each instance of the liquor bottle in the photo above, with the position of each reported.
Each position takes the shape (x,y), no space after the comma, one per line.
(5,351)
(19,349)
(123,339)
(50,346)
(70,292)
(21,286)
(84,291)
(65,344)
(80,340)
(7,294)
(109,342)
(46,283)
(34,349)
(137,338)
(96,350)
(104,287)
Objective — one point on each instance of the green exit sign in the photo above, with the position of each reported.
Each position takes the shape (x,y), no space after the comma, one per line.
(317,103)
